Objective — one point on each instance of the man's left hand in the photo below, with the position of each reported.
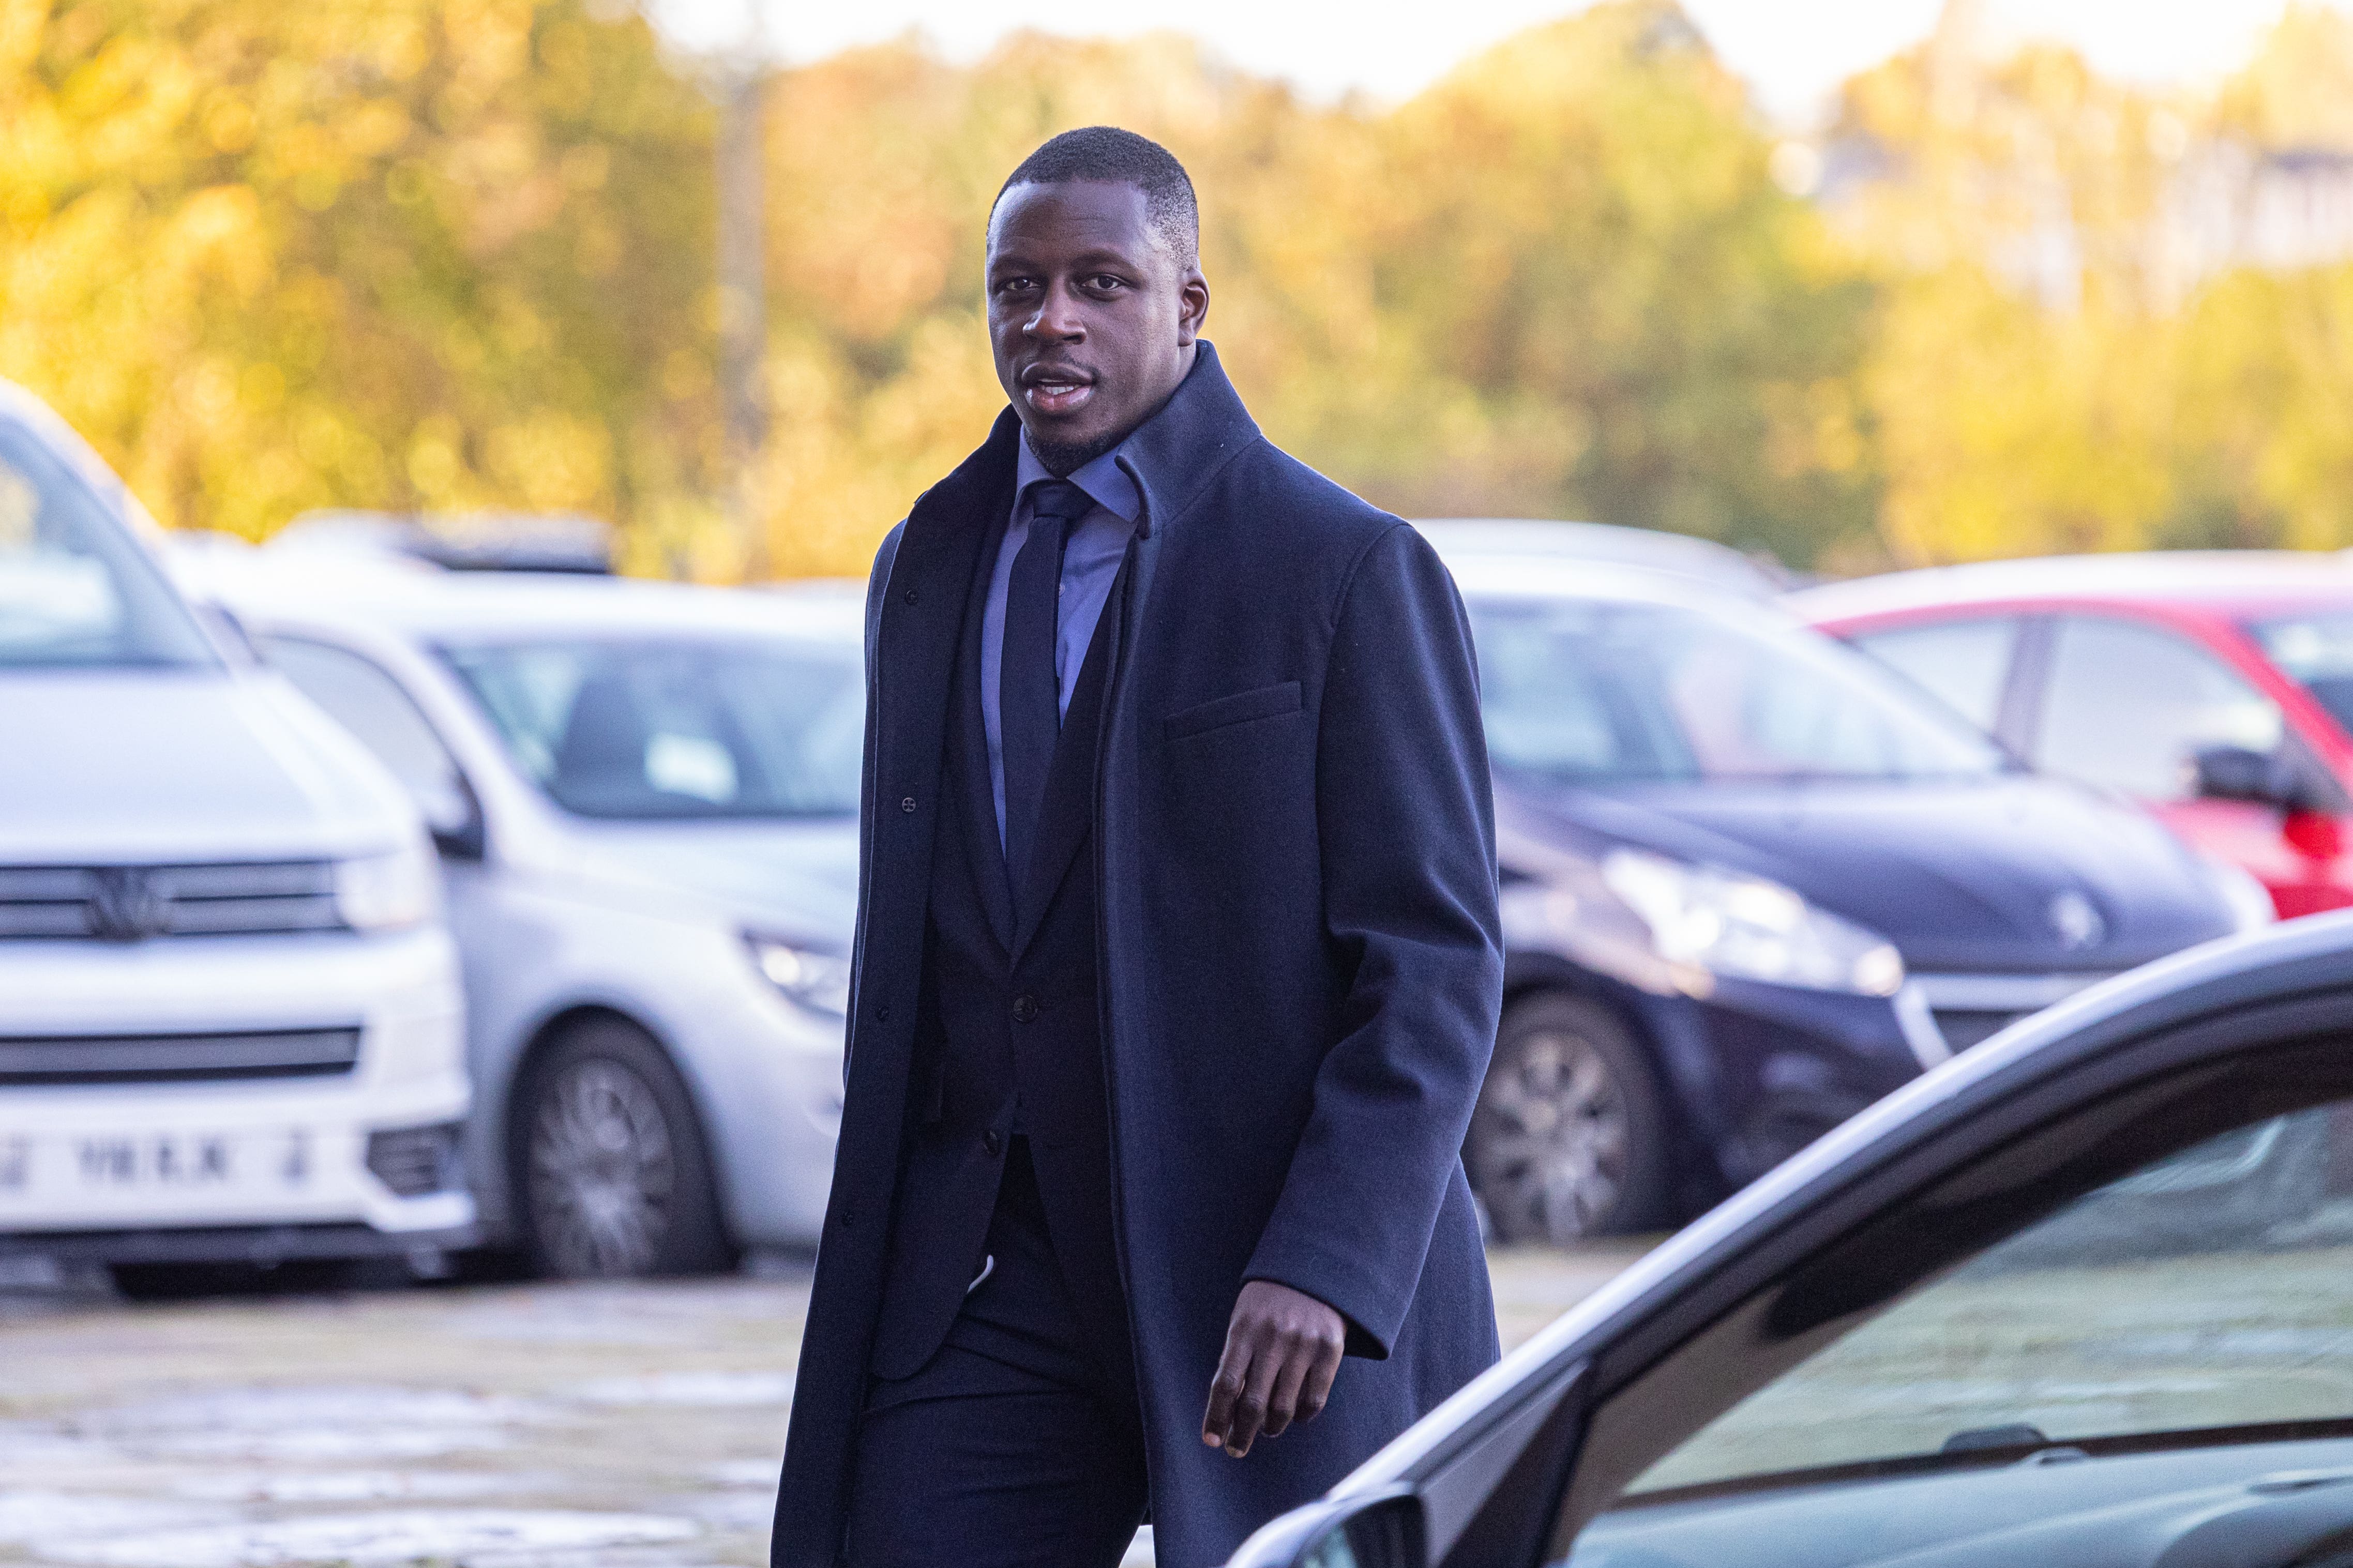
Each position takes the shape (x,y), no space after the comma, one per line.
(1282,1351)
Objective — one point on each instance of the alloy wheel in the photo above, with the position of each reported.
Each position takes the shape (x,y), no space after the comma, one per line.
(1552,1138)
(603,1171)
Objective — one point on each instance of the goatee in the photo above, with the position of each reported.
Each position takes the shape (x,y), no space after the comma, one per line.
(1063,458)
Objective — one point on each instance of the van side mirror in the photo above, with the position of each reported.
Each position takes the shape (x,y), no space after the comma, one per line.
(1383,1531)
(2235,773)
(453,815)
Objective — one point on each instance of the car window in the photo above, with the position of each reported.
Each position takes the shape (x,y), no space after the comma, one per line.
(1606,691)
(647,729)
(74,589)
(2128,706)
(1964,664)
(358,694)
(2196,1305)
(2316,651)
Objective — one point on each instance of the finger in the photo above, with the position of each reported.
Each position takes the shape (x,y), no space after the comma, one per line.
(1317,1392)
(1250,1411)
(1282,1402)
(1225,1392)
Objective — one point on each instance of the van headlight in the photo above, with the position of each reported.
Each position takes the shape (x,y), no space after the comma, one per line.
(388,892)
(818,981)
(1746,928)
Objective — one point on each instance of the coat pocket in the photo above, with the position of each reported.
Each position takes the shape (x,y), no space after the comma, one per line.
(1265,702)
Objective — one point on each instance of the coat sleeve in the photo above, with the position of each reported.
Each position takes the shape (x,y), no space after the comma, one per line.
(1406,816)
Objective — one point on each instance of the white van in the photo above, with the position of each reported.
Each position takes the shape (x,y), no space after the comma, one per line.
(230,1025)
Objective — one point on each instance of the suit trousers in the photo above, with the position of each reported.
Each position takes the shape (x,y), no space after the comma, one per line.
(1014,1447)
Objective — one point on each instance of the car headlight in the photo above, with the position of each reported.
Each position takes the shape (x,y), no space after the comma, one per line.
(818,981)
(388,892)
(2249,905)
(1746,928)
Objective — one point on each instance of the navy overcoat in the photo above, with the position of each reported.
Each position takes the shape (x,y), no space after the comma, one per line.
(1299,949)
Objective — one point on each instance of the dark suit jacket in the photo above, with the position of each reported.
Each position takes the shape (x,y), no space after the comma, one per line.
(1298,953)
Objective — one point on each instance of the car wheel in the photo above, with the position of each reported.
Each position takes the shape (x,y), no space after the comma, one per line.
(1568,1139)
(615,1176)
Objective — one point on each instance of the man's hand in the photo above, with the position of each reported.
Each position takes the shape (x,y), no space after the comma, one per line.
(1282,1351)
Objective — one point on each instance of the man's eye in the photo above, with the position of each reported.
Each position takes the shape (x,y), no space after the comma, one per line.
(1106,282)
(1015,285)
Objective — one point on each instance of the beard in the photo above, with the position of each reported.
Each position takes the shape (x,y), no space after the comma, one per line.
(1063,458)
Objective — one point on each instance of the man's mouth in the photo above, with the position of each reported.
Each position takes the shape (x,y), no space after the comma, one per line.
(1056,389)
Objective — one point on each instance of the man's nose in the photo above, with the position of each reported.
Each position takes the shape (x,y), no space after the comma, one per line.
(1057,316)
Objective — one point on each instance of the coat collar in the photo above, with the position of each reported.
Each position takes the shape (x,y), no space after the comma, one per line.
(1172,456)
(1169,459)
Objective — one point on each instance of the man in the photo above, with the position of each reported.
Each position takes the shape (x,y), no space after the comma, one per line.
(1177,963)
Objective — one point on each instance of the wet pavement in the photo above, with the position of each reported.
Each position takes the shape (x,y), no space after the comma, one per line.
(493,1426)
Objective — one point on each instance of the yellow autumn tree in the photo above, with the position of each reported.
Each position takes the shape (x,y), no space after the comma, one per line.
(443,254)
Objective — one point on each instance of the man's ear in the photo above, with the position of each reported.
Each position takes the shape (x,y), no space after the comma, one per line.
(1193,307)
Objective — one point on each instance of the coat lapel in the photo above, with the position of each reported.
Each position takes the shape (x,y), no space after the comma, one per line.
(922,617)
(983,846)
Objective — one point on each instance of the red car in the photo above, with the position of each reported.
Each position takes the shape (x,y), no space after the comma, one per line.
(2215,688)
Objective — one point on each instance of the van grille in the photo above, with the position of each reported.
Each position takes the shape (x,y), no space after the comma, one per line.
(125,903)
(159,1059)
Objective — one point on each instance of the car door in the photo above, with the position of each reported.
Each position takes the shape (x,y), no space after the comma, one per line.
(2092,1307)
(2130,705)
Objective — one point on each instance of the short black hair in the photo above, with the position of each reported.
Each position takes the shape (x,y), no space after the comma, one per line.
(1120,157)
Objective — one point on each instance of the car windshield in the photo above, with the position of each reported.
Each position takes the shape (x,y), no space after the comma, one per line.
(1608,691)
(75,591)
(654,729)
(2315,651)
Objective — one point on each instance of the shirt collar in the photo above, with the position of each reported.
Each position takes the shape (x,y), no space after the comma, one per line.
(1101,479)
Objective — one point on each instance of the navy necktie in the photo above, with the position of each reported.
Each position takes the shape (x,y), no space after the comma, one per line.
(1028,691)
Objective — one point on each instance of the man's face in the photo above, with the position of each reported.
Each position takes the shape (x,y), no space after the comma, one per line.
(1092,318)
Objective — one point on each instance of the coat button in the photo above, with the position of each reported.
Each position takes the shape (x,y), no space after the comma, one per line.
(882,1012)
(908,805)
(911,595)
(991,1142)
(1025,1007)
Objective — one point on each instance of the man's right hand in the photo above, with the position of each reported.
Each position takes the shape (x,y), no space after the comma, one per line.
(1282,1351)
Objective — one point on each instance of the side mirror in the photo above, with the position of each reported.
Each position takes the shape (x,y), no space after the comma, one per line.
(453,814)
(1382,1532)
(2235,773)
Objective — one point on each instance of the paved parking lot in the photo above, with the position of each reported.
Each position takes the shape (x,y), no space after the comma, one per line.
(491,1426)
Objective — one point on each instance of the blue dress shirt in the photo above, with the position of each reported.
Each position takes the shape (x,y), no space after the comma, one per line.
(1090,561)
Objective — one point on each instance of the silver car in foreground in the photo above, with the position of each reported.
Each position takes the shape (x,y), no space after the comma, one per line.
(644,797)
(2083,1295)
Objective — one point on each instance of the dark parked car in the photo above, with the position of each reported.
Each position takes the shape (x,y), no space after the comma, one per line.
(1751,883)
(2080,1297)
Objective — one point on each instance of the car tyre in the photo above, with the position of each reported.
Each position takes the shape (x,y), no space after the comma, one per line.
(614,1176)
(1569,1137)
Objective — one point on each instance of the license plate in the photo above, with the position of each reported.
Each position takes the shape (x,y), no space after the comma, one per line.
(93,1164)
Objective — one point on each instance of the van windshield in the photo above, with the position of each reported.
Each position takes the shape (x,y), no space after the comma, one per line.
(75,590)
(644,729)
(1605,691)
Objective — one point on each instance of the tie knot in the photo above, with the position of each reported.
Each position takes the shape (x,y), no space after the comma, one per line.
(1059,499)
